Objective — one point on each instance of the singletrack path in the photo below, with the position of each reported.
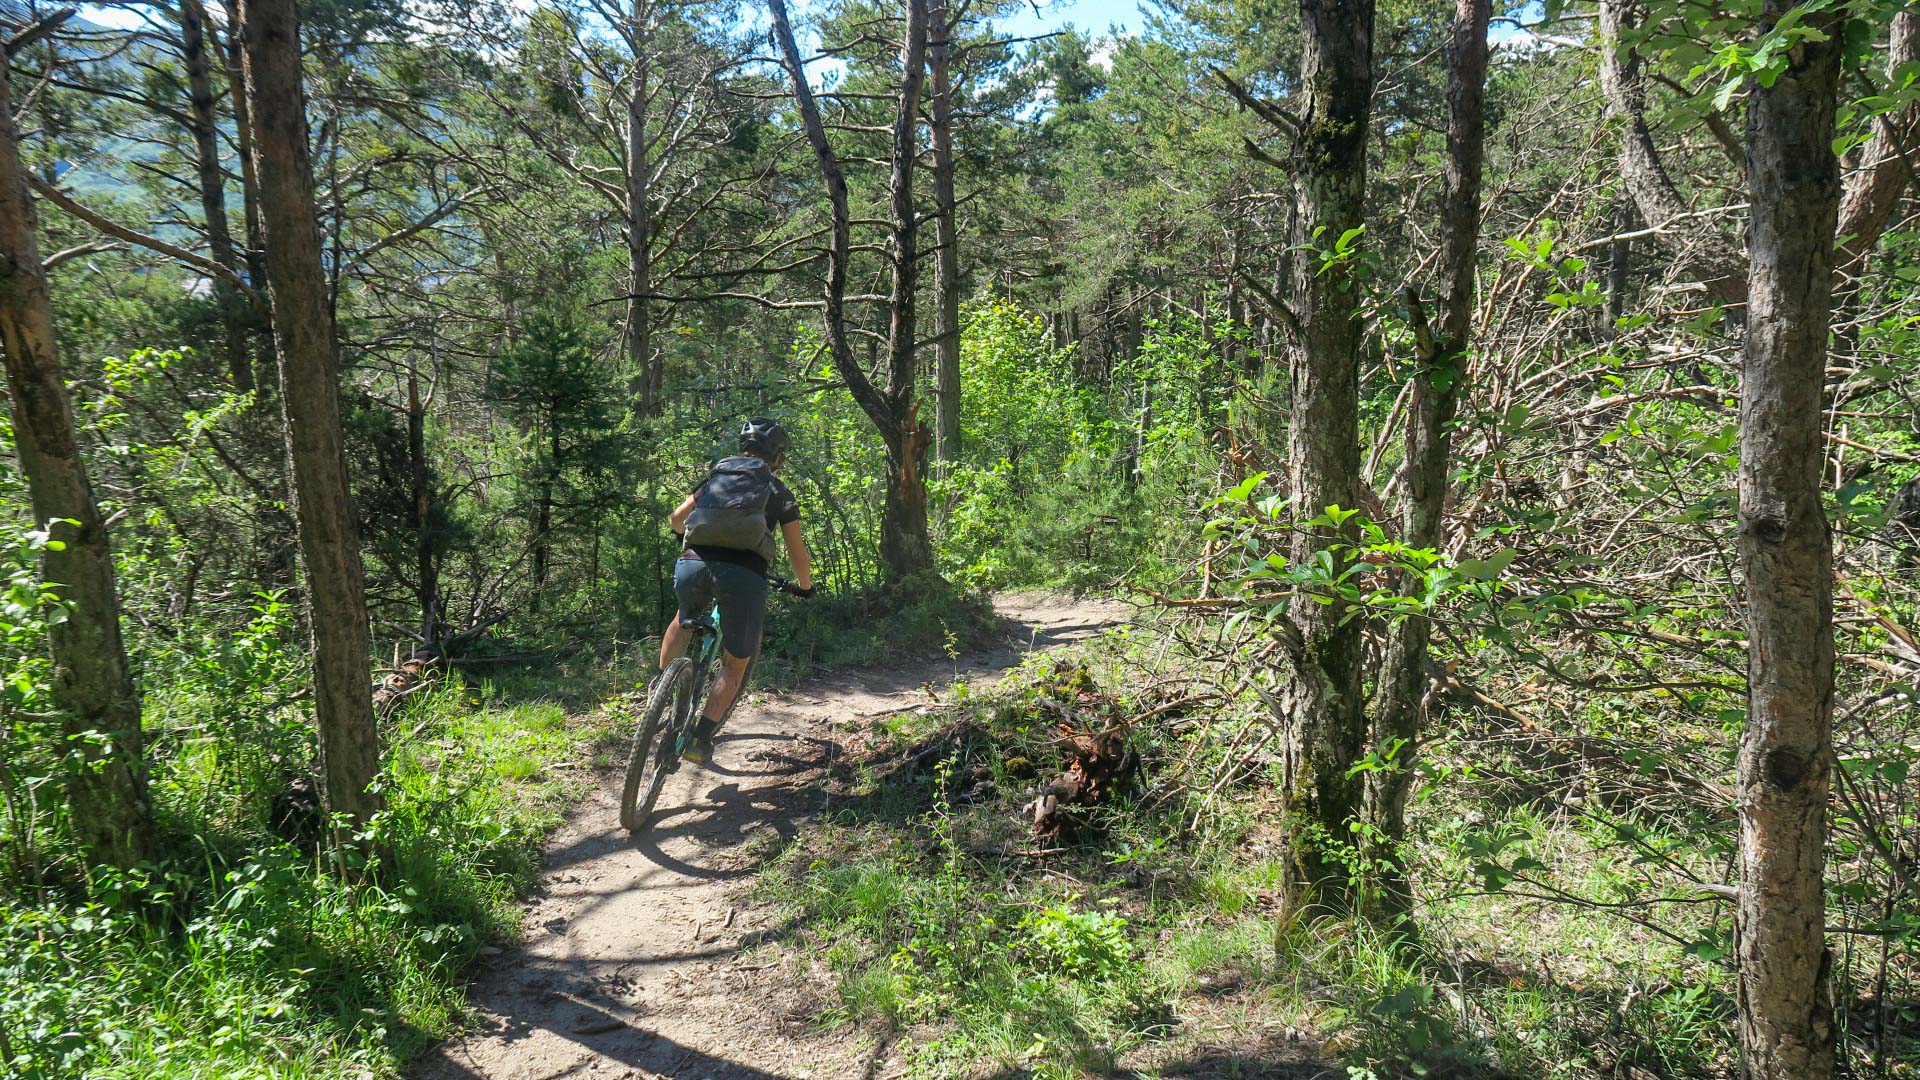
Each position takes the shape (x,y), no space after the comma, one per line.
(633,964)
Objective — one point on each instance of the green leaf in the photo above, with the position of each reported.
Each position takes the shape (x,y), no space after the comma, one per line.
(1245,487)
(1489,568)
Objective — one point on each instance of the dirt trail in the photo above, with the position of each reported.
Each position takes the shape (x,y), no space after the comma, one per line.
(633,963)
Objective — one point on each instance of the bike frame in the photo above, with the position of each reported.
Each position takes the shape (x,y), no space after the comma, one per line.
(705,649)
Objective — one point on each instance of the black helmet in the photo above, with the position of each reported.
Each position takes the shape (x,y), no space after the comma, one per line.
(764,436)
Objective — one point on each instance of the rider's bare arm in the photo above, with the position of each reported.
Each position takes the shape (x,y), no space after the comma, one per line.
(677,521)
(796,554)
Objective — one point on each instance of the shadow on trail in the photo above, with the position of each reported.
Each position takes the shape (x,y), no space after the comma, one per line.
(624,973)
(610,1038)
(700,818)
(1035,635)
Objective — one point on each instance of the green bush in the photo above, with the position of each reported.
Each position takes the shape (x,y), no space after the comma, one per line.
(1090,945)
(239,955)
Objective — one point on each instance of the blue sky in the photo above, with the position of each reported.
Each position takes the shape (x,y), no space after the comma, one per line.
(1095,15)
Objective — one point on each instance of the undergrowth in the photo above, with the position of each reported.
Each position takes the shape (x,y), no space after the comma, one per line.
(911,620)
(1160,942)
(240,954)
(238,957)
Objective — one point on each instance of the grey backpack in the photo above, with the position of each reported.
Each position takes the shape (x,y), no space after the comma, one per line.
(730,510)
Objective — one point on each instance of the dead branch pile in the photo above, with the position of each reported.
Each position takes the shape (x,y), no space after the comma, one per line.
(1100,758)
(406,679)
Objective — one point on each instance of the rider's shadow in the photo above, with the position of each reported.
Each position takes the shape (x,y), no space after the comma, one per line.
(768,763)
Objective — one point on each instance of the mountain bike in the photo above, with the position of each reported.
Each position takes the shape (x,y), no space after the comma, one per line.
(674,705)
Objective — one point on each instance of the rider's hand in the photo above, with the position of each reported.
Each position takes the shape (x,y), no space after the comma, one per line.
(805,592)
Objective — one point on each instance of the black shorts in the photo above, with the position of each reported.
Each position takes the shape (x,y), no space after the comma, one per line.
(741,594)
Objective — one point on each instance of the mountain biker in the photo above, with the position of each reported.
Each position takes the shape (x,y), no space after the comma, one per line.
(728,523)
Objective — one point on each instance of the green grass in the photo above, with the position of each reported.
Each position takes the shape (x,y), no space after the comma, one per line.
(240,959)
(984,966)
(1164,936)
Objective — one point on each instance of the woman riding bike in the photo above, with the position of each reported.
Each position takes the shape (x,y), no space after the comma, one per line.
(729,523)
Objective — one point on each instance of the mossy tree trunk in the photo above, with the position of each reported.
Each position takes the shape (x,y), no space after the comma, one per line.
(1438,382)
(1325,722)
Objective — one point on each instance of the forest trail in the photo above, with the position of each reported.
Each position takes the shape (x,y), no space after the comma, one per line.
(633,963)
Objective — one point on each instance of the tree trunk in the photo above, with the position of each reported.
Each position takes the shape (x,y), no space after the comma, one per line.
(1438,380)
(946,267)
(310,397)
(905,545)
(1786,1004)
(1619,267)
(1325,726)
(645,367)
(1623,82)
(1872,193)
(543,514)
(426,573)
(92,686)
(213,188)
(243,140)
(906,549)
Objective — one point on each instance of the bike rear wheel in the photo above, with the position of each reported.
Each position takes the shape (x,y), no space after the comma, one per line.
(678,732)
(667,706)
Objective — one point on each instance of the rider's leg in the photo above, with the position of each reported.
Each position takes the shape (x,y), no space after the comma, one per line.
(693,587)
(673,643)
(742,595)
(733,673)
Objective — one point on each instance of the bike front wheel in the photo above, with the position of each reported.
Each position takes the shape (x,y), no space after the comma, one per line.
(666,707)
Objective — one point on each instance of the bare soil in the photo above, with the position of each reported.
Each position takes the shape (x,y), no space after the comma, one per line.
(639,956)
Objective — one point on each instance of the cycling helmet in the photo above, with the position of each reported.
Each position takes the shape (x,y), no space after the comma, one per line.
(764,436)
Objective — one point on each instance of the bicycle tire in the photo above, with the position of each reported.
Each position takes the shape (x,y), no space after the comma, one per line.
(676,682)
(677,727)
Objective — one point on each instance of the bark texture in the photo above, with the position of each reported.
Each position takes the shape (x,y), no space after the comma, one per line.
(212,179)
(1704,253)
(1871,194)
(1326,723)
(1438,381)
(310,396)
(946,266)
(906,549)
(1786,1006)
(92,686)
